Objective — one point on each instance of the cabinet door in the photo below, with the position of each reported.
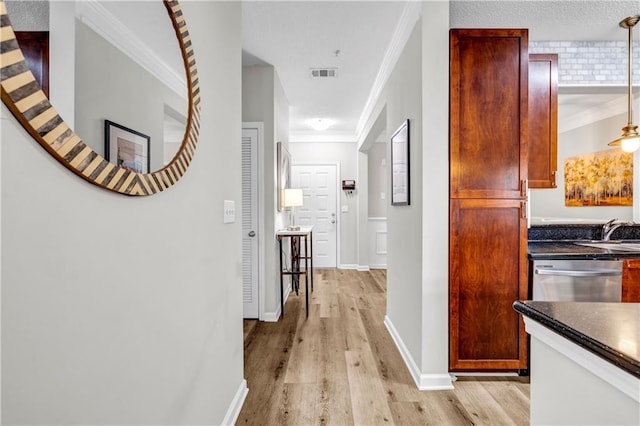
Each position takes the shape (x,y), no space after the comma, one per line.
(488,272)
(543,120)
(488,112)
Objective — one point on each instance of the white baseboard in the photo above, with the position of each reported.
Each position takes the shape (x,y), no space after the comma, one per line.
(275,316)
(442,381)
(378,266)
(363,268)
(236,405)
(348,266)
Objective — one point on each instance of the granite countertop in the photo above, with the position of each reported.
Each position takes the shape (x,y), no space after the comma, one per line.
(609,330)
(558,242)
(571,250)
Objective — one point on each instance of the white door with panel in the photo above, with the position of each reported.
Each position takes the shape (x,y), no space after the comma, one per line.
(319,183)
(250,256)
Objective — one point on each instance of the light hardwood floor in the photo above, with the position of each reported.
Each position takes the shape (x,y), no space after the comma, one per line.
(341,367)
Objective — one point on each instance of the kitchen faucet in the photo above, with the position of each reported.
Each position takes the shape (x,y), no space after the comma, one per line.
(612,225)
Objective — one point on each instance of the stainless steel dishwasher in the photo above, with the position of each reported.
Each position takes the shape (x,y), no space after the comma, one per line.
(577,280)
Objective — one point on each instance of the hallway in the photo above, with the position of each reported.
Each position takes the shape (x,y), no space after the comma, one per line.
(341,367)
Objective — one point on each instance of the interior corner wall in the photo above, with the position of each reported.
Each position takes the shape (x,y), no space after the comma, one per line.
(404,223)
(127,310)
(264,100)
(344,153)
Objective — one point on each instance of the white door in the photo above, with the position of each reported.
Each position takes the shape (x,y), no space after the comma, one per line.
(250,261)
(319,184)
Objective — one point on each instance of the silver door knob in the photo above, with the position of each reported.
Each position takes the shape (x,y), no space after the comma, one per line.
(333,221)
(252,234)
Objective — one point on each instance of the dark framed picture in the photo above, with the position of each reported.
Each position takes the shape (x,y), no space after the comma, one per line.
(126,147)
(400,166)
(284,173)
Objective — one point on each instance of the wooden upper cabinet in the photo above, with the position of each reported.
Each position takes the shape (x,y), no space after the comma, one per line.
(489,112)
(543,120)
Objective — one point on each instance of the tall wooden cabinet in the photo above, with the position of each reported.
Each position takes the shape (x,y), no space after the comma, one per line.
(488,228)
(543,120)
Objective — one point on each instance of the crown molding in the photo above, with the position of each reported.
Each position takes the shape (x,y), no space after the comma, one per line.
(410,15)
(103,22)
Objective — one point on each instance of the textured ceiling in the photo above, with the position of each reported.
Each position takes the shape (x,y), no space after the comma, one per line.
(548,20)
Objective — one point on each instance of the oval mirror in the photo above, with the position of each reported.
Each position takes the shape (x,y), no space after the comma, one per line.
(125,166)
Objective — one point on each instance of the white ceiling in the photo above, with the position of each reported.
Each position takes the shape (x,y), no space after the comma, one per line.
(295,36)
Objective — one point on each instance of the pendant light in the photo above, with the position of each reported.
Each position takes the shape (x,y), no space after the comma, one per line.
(630,139)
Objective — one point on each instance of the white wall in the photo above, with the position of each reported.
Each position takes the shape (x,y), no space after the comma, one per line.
(105,319)
(378,177)
(344,153)
(590,138)
(404,223)
(417,240)
(263,100)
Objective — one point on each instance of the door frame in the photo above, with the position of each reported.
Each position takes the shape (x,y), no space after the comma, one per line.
(259,126)
(338,198)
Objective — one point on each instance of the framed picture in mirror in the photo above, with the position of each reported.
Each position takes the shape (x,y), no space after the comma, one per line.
(400,166)
(126,147)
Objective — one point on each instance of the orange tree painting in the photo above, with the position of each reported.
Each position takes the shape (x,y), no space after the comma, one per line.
(602,178)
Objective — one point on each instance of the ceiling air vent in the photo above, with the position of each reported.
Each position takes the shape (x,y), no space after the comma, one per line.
(324,72)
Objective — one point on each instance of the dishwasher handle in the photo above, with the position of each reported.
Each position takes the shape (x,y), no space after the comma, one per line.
(579,273)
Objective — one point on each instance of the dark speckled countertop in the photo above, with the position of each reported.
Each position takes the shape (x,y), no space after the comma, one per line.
(609,330)
(570,250)
(558,242)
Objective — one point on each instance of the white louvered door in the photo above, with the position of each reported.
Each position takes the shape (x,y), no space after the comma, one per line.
(250,279)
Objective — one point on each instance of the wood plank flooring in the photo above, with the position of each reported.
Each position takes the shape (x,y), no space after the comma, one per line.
(340,366)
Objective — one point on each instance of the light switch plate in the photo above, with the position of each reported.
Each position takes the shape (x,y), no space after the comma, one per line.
(345,209)
(229,211)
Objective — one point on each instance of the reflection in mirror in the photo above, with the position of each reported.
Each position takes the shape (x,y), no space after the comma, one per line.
(27,102)
(136,73)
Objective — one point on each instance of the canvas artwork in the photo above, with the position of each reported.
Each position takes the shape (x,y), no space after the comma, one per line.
(603,178)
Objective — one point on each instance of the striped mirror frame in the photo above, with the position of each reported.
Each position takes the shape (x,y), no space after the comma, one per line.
(28,103)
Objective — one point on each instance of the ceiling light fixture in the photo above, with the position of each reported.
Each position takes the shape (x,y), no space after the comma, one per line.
(321,124)
(630,139)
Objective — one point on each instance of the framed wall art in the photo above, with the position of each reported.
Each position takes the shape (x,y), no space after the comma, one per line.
(284,173)
(126,148)
(400,194)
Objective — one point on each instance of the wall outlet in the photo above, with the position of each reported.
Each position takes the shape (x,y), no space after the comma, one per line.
(383,195)
(383,162)
(229,211)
